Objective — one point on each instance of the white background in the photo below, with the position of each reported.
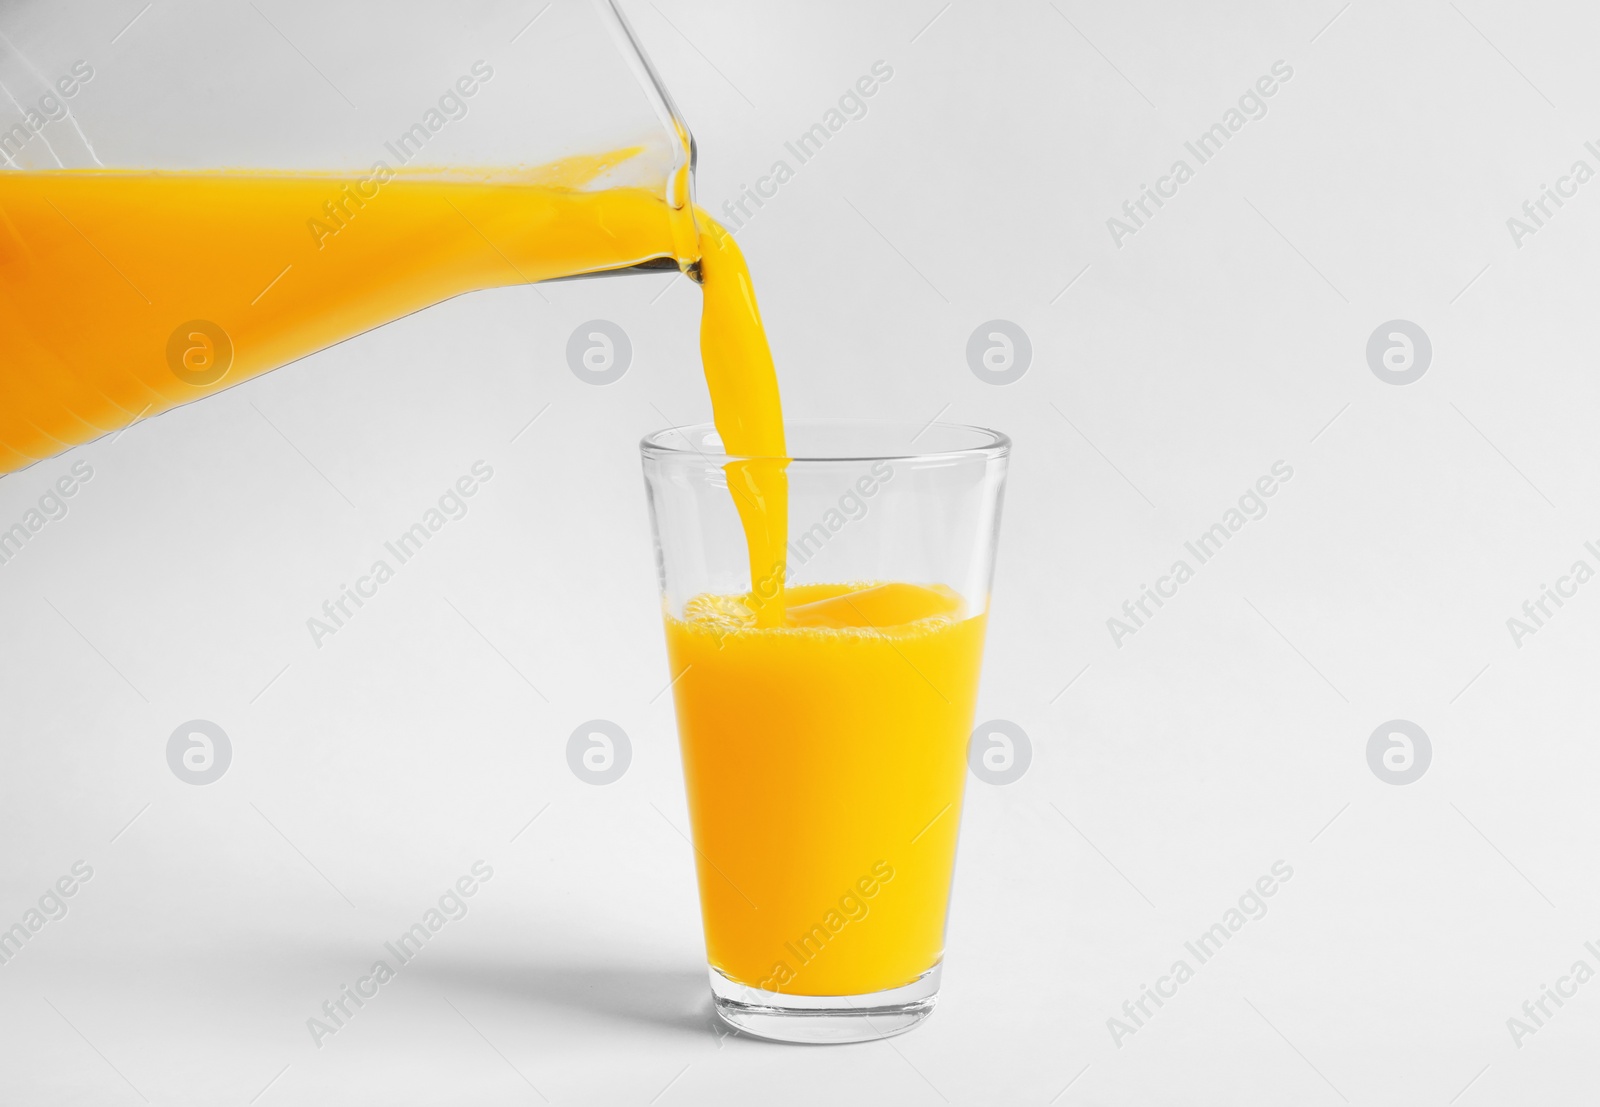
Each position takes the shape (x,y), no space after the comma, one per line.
(1228,733)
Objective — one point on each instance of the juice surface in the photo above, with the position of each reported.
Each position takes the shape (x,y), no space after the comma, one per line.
(825,766)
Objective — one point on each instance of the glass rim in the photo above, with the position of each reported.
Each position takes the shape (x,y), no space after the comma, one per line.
(996,444)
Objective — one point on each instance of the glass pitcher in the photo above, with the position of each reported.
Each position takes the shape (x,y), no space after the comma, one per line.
(194,193)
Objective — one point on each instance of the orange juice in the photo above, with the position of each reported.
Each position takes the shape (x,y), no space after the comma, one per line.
(123,294)
(745,407)
(825,765)
(823,728)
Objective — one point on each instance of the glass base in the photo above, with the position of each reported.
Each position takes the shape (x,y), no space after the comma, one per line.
(823,1020)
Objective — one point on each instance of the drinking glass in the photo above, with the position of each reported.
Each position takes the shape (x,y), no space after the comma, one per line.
(825,756)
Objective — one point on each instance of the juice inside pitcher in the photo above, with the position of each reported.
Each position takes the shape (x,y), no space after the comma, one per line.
(123,294)
(126,293)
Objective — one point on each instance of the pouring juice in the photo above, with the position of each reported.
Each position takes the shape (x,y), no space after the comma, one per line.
(812,747)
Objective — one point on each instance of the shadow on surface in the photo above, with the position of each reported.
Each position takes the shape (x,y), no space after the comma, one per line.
(668,999)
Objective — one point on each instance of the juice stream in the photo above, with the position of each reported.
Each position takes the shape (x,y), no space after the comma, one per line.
(818,735)
(124,294)
(745,407)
